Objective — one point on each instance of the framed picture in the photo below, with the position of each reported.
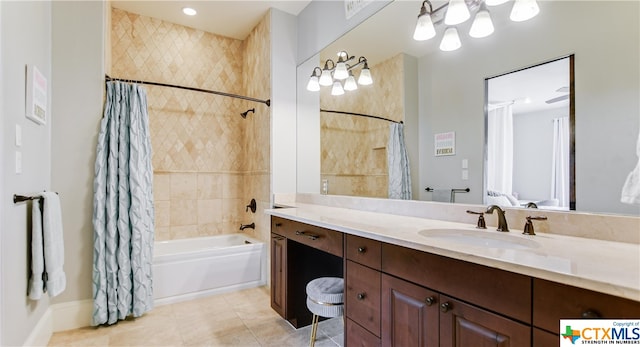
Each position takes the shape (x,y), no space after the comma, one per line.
(36,95)
(444,144)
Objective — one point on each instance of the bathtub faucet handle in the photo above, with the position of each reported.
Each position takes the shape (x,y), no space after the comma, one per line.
(252,206)
(250,226)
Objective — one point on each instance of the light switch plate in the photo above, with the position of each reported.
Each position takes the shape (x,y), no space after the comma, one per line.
(18,135)
(465,175)
(465,163)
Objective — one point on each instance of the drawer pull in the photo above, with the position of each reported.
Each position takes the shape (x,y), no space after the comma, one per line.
(445,306)
(309,235)
(362,249)
(278,225)
(278,238)
(430,300)
(590,314)
(361,296)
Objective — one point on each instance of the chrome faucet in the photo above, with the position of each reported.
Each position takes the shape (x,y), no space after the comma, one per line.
(502,222)
(250,226)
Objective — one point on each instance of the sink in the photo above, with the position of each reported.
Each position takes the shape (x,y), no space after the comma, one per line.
(479,238)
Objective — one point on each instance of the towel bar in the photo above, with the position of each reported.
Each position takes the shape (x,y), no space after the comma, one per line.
(21,198)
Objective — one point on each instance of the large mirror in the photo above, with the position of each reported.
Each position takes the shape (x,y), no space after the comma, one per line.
(444,93)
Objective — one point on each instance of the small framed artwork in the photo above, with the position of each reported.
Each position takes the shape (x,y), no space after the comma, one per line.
(36,95)
(445,144)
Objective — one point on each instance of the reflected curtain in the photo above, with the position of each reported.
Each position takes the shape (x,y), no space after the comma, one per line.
(123,208)
(560,161)
(500,149)
(398,164)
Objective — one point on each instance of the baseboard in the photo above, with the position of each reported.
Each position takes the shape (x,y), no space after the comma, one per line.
(42,332)
(72,315)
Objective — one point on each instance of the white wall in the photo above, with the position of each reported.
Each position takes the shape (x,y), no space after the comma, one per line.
(25,40)
(283,98)
(533,145)
(606,86)
(78,78)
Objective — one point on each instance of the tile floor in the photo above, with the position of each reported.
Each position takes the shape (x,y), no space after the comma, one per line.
(242,318)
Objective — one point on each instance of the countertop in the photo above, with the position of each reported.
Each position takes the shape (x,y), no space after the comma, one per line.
(604,266)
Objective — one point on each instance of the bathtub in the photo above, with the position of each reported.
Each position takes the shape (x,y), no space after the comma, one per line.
(196,267)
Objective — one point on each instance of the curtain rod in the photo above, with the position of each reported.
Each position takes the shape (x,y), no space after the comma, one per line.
(361,115)
(267,102)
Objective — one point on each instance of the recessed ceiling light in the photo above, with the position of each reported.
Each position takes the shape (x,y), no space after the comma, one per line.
(189,11)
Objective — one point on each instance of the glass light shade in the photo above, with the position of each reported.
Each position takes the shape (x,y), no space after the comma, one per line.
(365,77)
(337,88)
(341,71)
(313,85)
(495,2)
(524,10)
(482,25)
(350,83)
(325,78)
(456,13)
(189,11)
(424,28)
(450,40)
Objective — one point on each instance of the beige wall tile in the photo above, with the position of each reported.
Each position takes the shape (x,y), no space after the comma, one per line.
(184,186)
(209,185)
(162,213)
(232,186)
(162,234)
(209,211)
(184,232)
(161,186)
(210,229)
(184,212)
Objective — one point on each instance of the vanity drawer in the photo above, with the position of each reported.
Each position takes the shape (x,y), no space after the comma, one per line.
(497,290)
(364,251)
(554,301)
(323,239)
(359,336)
(362,291)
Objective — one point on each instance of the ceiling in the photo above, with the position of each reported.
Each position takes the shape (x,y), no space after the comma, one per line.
(233,19)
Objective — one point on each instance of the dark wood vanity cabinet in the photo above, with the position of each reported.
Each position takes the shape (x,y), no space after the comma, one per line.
(397,296)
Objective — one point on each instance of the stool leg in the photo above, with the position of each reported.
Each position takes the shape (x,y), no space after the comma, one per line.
(314,330)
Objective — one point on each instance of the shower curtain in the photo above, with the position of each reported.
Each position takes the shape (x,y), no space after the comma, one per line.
(500,149)
(560,161)
(123,208)
(398,162)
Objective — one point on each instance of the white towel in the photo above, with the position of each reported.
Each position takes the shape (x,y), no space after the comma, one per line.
(47,248)
(631,188)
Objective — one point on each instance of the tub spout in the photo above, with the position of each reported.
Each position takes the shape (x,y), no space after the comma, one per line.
(245,226)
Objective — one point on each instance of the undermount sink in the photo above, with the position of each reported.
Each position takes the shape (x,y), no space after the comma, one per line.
(479,238)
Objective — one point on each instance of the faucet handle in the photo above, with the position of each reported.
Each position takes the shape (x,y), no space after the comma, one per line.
(481,223)
(528,226)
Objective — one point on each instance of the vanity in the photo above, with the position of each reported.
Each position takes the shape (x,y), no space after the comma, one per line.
(409,283)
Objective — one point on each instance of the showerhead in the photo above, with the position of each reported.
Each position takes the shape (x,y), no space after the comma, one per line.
(245,113)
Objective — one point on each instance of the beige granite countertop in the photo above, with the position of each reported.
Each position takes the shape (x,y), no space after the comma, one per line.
(604,266)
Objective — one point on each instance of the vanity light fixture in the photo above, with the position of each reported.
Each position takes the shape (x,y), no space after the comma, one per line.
(459,11)
(189,11)
(333,73)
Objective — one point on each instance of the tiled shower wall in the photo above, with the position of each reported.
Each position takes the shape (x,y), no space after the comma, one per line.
(353,149)
(201,159)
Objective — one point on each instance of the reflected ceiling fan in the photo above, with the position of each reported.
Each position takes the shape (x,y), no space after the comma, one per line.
(559,98)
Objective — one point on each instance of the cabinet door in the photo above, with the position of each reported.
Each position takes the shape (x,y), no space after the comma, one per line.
(278,273)
(409,314)
(463,325)
(362,296)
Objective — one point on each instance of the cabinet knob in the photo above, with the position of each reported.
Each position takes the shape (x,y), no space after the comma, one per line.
(362,249)
(445,306)
(278,225)
(590,314)
(430,300)
(361,296)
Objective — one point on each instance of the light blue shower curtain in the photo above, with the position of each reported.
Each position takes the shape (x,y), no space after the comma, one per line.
(123,208)
(398,162)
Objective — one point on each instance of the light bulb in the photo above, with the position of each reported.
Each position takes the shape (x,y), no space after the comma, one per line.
(325,78)
(350,83)
(457,12)
(341,71)
(424,28)
(450,40)
(337,89)
(495,2)
(365,76)
(313,85)
(524,10)
(482,25)
(189,11)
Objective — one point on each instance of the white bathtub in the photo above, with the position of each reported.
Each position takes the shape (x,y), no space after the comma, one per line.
(196,267)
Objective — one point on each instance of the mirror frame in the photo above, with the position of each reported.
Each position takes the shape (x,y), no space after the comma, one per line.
(572,122)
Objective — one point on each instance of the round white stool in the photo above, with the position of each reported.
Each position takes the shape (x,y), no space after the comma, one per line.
(324,299)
